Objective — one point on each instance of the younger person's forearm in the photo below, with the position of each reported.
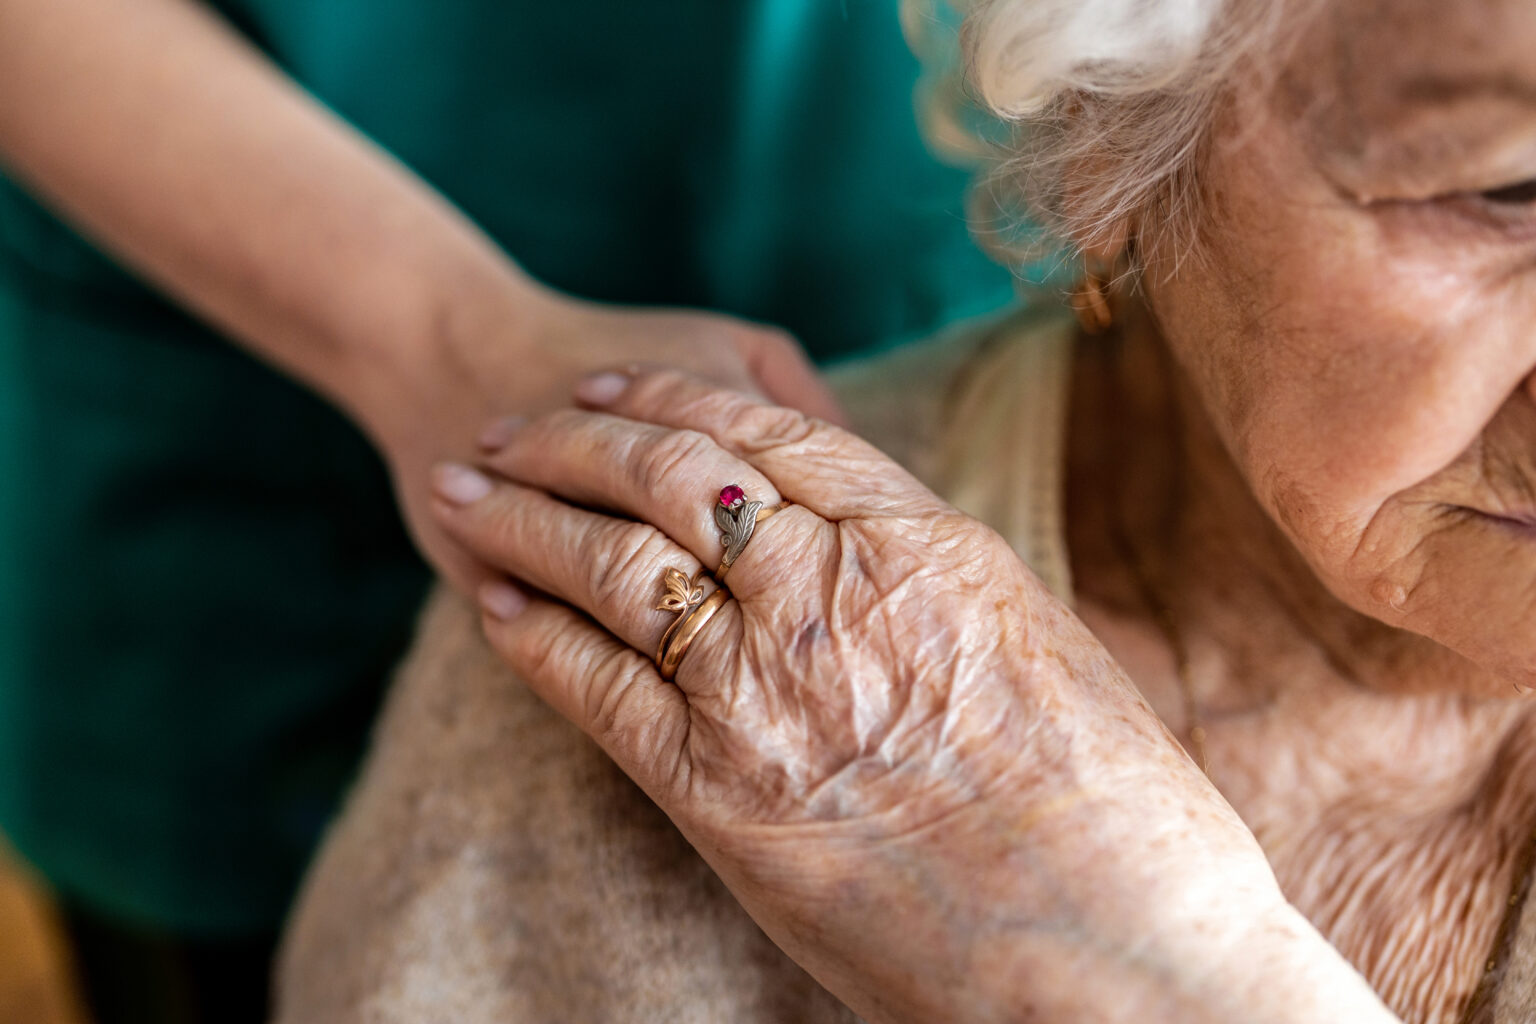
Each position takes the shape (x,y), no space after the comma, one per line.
(162,134)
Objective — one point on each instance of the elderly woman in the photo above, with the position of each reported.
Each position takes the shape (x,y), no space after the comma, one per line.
(1282,502)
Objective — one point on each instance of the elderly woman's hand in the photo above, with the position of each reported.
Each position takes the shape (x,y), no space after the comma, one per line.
(920,774)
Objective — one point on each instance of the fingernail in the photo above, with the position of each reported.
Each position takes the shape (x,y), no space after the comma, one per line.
(499,432)
(601,388)
(459,485)
(501,600)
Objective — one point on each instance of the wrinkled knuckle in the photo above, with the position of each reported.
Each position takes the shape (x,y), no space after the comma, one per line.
(626,558)
(957,537)
(773,426)
(611,700)
(715,405)
(665,464)
(540,653)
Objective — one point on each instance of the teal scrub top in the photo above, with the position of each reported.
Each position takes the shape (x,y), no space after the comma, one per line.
(203,579)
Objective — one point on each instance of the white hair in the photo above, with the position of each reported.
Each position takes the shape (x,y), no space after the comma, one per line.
(1105,105)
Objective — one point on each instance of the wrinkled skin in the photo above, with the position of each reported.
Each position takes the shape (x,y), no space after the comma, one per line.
(895,746)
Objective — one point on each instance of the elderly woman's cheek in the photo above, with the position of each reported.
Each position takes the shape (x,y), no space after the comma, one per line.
(1368,408)
(1392,378)
(1342,350)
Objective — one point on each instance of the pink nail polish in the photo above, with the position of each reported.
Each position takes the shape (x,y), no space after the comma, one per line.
(501,600)
(459,485)
(601,388)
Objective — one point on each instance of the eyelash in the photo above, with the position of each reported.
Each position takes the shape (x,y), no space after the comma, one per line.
(1521,193)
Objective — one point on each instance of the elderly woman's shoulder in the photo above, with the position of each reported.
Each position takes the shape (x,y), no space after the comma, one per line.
(904,399)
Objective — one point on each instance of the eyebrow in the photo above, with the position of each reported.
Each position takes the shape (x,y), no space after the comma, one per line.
(1441,89)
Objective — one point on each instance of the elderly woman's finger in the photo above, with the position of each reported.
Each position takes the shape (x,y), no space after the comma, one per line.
(607,689)
(825,468)
(669,478)
(612,569)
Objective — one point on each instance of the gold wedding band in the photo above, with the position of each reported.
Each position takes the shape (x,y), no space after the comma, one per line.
(683,596)
(675,643)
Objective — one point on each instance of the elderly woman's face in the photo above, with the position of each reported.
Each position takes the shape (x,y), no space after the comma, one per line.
(1368,342)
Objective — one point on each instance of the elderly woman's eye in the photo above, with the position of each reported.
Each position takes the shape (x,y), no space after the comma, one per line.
(1517,194)
(1506,209)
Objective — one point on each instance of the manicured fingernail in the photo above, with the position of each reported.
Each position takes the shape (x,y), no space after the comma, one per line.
(498,433)
(459,485)
(601,388)
(501,600)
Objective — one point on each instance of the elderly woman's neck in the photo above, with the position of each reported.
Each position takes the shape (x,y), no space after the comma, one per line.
(1165,533)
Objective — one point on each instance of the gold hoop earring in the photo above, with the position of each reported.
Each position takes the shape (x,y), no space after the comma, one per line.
(1090,302)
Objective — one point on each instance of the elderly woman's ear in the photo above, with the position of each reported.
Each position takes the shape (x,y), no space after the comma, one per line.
(1106,265)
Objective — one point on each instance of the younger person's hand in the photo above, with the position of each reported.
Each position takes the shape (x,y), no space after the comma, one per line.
(438,407)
